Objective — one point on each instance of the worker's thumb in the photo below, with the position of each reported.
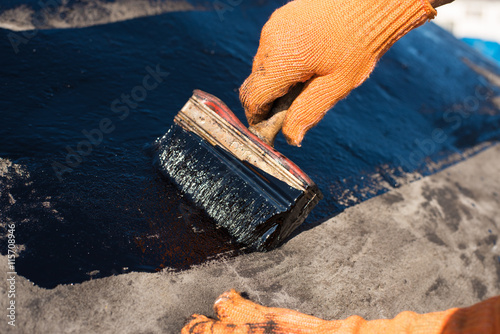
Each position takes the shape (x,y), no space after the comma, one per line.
(318,96)
(264,86)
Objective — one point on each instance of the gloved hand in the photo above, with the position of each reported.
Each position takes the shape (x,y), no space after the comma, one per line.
(333,45)
(239,315)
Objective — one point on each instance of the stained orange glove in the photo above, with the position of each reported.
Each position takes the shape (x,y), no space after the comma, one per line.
(332,44)
(239,315)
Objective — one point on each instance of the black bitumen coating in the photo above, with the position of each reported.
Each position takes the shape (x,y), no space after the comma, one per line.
(109,210)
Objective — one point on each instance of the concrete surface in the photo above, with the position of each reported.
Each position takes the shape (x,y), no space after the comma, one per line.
(427,246)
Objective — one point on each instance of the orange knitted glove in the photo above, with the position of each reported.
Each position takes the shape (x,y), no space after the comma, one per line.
(238,315)
(333,45)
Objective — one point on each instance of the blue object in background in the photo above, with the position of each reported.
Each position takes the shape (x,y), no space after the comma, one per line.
(490,49)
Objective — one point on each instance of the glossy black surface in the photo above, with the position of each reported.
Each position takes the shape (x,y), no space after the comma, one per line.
(113,212)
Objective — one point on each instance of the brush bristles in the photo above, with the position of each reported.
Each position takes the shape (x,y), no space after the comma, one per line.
(248,203)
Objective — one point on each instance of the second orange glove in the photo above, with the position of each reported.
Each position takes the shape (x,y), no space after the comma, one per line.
(239,315)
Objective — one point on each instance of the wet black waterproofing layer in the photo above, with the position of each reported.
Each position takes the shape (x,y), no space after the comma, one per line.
(80,109)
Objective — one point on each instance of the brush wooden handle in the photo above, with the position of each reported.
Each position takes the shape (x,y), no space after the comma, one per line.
(269,128)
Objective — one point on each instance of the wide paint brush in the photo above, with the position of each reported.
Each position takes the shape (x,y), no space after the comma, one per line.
(234,173)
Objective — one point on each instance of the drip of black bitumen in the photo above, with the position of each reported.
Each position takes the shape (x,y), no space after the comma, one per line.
(257,209)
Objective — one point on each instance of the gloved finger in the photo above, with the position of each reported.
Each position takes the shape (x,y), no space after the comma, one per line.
(199,324)
(271,78)
(318,96)
(203,325)
(230,307)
